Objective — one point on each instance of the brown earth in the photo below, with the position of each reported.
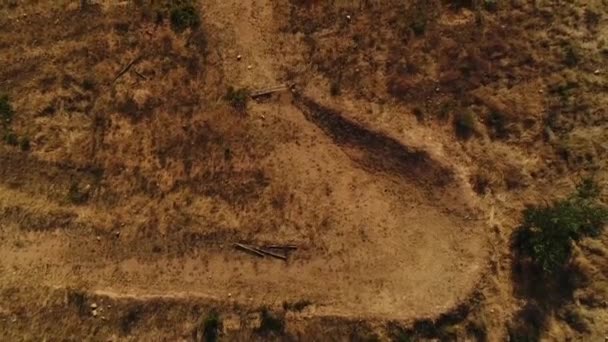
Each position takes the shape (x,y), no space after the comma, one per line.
(135,188)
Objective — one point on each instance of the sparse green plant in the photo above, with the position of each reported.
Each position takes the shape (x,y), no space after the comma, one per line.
(548,231)
(498,124)
(571,57)
(490,5)
(464,124)
(212,327)
(335,88)
(6,111)
(184,17)
(11,138)
(270,323)
(24,144)
(237,98)
(88,84)
(418,25)
(76,196)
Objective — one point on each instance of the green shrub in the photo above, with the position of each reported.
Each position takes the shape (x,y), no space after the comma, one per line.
(237,98)
(464,123)
(498,124)
(76,196)
(571,57)
(24,144)
(270,323)
(11,138)
(6,111)
(418,26)
(335,89)
(183,17)
(547,232)
(88,84)
(212,327)
(490,5)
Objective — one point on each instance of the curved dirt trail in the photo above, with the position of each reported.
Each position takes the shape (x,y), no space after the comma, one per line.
(373,244)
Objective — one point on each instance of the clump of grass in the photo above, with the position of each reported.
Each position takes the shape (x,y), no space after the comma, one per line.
(490,5)
(498,123)
(335,89)
(10,138)
(571,57)
(24,144)
(271,324)
(6,111)
(88,84)
(464,123)
(77,196)
(184,17)
(212,327)
(548,231)
(237,98)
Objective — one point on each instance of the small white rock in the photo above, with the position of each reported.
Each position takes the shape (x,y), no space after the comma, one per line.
(94,313)
(597,72)
(348,17)
(238,58)
(249,67)
(98,238)
(94,306)
(229,294)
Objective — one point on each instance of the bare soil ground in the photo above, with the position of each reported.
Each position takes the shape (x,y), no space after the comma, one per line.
(135,188)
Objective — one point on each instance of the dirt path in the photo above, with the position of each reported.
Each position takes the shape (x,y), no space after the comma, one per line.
(373,244)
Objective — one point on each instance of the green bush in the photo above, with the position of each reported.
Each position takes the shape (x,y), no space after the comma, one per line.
(498,123)
(237,98)
(24,144)
(490,5)
(6,111)
(270,323)
(76,196)
(183,17)
(11,138)
(212,327)
(464,123)
(547,232)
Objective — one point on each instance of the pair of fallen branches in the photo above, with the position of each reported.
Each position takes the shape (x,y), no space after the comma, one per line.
(269,250)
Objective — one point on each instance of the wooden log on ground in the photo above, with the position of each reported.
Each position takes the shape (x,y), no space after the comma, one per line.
(268,91)
(284,247)
(272,254)
(249,249)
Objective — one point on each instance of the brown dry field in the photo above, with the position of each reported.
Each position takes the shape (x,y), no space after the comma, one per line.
(135,189)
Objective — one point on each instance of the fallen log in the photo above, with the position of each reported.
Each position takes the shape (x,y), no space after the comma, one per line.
(284,247)
(127,67)
(272,254)
(249,249)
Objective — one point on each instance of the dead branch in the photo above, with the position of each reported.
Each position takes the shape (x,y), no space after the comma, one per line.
(272,254)
(140,75)
(284,247)
(127,67)
(249,249)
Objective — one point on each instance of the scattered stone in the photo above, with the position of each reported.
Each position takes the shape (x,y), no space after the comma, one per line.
(597,71)
(94,313)
(98,238)
(229,294)
(117,233)
(238,57)
(249,67)
(348,17)
(94,306)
